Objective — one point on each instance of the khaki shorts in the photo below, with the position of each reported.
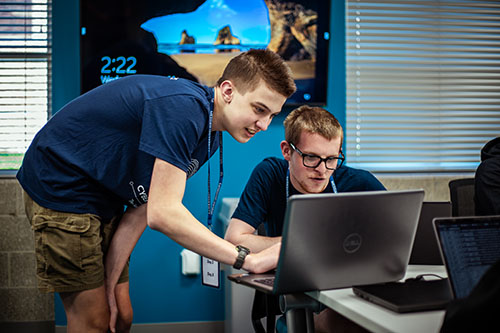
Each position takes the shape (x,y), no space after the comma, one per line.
(70,248)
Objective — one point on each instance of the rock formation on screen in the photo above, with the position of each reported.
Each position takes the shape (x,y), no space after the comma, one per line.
(293,29)
(225,37)
(186,38)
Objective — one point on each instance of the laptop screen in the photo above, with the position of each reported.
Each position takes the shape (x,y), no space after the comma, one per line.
(469,247)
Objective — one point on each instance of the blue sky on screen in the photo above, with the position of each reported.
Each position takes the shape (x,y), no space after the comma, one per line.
(249,21)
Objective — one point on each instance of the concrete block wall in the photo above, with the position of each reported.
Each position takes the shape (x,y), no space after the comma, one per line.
(22,307)
(435,186)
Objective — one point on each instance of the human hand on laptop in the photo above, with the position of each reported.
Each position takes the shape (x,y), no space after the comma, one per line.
(264,260)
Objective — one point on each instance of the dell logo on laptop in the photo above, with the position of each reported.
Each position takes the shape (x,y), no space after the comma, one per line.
(352,243)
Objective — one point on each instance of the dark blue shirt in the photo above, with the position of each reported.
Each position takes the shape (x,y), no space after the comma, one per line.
(97,153)
(264,197)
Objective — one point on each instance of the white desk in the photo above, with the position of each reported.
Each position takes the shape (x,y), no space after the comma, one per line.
(378,319)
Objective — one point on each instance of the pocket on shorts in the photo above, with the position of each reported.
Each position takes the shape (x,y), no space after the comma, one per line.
(58,241)
(73,223)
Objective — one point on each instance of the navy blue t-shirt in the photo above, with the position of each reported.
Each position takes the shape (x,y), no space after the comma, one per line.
(97,153)
(264,197)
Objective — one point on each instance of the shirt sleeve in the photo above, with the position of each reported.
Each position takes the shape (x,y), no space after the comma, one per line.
(353,180)
(253,205)
(172,128)
(371,183)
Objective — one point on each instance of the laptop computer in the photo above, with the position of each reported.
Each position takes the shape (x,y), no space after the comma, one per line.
(425,247)
(408,296)
(468,247)
(340,240)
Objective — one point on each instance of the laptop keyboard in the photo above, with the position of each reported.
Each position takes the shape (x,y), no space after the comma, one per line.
(266,281)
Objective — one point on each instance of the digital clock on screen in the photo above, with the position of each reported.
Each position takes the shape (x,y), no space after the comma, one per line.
(115,67)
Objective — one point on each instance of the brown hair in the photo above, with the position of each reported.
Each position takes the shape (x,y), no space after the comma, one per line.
(247,69)
(312,119)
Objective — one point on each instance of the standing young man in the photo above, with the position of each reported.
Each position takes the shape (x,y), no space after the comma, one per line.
(313,163)
(133,143)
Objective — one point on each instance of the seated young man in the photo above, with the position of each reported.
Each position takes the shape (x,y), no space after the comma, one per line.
(312,163)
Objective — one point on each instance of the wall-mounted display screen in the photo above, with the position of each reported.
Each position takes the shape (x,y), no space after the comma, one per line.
(195,39)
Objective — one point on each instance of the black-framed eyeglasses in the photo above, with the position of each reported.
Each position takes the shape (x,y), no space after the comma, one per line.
(313,161)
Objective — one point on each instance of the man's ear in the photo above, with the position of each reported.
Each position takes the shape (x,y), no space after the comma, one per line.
(286,150)
(227,91)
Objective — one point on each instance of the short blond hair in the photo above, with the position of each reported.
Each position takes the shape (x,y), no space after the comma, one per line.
(249,68)
(314,120)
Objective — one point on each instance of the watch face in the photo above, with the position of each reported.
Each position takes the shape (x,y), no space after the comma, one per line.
(242,248)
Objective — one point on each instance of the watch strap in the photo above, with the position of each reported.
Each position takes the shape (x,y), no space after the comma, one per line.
(242,254)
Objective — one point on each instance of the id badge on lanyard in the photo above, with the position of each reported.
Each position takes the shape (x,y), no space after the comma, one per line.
(210,268)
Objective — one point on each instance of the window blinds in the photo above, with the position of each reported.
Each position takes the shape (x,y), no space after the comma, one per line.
(423,83)
(25,55)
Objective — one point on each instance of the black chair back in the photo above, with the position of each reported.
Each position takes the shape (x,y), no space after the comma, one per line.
(462,197)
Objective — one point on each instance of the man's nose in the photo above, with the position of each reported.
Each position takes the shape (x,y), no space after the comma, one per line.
(263,123)
(321,167)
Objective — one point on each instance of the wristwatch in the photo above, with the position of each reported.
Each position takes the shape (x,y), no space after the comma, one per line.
(242,254)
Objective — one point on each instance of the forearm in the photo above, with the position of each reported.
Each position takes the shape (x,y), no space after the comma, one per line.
(242,233)
(255,243)
(176,222)
(193,235)
(130,229)
(167,214)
